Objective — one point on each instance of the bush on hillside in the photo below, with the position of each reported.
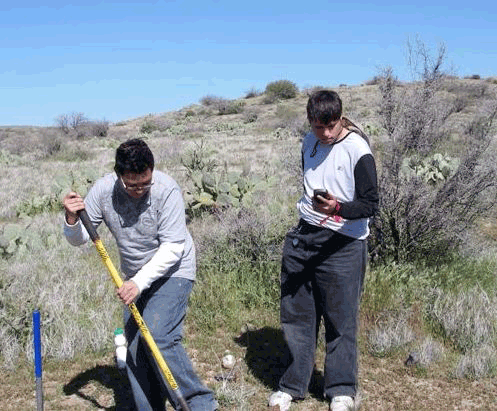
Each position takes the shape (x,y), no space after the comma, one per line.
(225,106)
(74,121)
(281,90)
(253,92)
(374,81)
(209,100)
(155,123)
(424,211)
(99,128)
(80,126)
(309,91)
(250,117)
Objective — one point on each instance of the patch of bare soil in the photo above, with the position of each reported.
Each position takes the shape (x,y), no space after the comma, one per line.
(388,384)
(385,384)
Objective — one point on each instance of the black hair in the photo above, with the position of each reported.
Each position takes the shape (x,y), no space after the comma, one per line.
(325,106)
(133,156)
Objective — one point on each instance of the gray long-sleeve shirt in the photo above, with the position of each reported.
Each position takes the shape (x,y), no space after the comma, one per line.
(150,232)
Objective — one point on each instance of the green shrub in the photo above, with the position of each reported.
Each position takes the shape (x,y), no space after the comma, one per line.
(281,90)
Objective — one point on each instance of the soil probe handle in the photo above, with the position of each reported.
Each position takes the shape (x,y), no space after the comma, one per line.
(83,215)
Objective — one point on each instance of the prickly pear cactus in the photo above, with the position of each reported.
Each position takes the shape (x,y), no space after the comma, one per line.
(432,170)
(18,239)
(79,182)
(212,192)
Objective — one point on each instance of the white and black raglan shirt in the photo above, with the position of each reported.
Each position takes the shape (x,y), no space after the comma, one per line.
(346,170)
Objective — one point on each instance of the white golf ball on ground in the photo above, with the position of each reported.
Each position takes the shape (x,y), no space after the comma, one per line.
(229,361)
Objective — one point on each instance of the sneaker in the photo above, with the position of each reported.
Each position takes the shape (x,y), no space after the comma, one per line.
(280,399)
(342,403)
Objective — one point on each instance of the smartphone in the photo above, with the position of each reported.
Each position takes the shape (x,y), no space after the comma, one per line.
(320,192)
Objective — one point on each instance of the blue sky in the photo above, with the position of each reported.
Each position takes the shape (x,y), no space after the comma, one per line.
(124,59)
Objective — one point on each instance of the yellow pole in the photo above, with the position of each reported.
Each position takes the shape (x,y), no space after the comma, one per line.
(134,311)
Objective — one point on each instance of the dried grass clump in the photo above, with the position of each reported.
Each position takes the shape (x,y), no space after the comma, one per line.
(429,351)
(467,318)
(478,363)
(391,334)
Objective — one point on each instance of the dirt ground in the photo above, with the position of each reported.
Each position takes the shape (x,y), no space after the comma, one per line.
(385,384)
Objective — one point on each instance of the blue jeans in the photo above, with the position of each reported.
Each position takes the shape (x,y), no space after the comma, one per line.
(163,308)
(322,275)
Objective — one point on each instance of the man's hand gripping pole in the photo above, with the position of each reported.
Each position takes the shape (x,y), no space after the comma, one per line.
(134,311)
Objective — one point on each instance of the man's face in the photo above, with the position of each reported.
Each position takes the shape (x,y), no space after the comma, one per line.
(327,133)
(137,185)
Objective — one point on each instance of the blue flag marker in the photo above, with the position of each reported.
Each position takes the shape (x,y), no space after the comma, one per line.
(37,352)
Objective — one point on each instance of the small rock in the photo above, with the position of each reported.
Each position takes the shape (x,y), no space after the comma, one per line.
(413,359)
(230,377)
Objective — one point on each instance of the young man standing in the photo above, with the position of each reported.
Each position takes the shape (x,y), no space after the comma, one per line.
(325,255)
(143,208)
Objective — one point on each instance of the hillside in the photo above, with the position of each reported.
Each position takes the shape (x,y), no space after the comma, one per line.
(235,303)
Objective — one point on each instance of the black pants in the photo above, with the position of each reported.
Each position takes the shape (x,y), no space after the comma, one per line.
(321,276)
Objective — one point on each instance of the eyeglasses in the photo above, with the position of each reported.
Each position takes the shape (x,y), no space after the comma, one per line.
(134,188)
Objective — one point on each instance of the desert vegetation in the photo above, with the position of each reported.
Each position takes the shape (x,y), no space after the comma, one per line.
(428,310)
(78,124)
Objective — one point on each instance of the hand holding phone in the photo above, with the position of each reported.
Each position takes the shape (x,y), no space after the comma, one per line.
(321,193)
